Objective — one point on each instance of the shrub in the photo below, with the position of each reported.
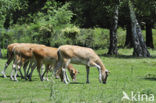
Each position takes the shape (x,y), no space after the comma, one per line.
(71,33)
(94,38)
(121,36)
(154,37)
(102,38)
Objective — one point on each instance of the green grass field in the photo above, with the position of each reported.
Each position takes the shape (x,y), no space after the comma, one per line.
(127,74)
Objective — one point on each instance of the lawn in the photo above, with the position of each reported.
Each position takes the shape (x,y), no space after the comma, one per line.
(128,74)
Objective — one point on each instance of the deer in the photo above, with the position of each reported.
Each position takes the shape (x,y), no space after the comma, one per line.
(83,56)
(10,56)
(48,56)
(73,72)
(23,54)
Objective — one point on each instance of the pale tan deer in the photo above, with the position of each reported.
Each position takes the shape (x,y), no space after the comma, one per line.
(80,55)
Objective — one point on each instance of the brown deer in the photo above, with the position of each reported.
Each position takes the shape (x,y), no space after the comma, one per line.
(23,54)
(48,56)
(10,56)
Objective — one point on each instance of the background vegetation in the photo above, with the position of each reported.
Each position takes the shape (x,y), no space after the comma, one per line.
(85,23)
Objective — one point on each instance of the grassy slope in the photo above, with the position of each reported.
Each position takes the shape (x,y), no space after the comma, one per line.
(127,74)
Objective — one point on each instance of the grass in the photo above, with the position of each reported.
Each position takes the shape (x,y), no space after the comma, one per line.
(127,74)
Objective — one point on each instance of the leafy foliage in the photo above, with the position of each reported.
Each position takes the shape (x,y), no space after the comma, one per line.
(43,27)
(54,23)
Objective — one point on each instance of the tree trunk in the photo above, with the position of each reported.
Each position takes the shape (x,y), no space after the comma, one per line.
(113,49)
(0,53)
(128,42)
(149,38)
(7,21)
(140,48)
(0,44)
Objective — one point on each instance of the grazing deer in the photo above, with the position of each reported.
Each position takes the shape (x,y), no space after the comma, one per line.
(11,56)
(80,55)
(48,56)
(23,54)
(73,72)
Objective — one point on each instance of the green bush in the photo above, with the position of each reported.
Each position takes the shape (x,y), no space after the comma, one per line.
(94,38)
(86,38)
(71,34)
(154,37)
(102,38)
(121,36)
(44,28)
(4,53)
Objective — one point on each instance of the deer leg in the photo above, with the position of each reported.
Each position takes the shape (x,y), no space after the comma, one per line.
(24,68)
(42,69)
(99,69)
(32,69)
(67,63)
(3,72)
(46,77)
(87,70)
(6,66)
(18,64)
(18,68)
(46,71)
(100,76)
(13,70)
(30,65)
(39,72)
(57,66)
(64,76)
(67,77)
(22,77)
(59,74)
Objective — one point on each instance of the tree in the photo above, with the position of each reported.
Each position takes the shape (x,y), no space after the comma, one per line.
(0,45)
(128,42)
(0,53)
(146,12)
(149,38)
(140,48)
(113,49)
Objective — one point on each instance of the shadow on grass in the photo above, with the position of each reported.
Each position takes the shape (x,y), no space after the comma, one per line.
(151,77)
(126,56)
(76,83)
(3,58)
(6,76)
(21,79)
